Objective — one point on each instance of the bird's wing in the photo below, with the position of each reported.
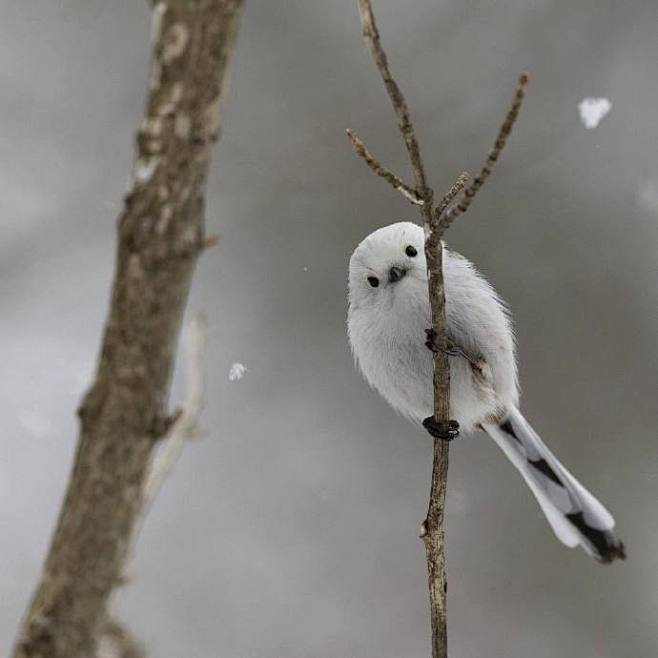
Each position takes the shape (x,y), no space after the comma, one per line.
(479,366)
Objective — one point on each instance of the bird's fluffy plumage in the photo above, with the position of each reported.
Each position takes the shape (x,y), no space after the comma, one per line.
(387,318)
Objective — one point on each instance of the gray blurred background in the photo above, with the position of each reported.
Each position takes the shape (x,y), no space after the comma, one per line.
(290,529)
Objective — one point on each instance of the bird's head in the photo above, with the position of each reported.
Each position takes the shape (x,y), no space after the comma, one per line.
(387,266)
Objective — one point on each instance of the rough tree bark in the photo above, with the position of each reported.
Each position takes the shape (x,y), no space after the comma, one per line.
(435,221)
(161,233)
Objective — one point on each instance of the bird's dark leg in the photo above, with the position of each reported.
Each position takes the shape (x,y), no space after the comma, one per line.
(452,350)
(440,431)
(449,431)
(430,343)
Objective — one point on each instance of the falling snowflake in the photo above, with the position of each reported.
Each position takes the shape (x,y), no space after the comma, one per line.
(592,110)
(236,372)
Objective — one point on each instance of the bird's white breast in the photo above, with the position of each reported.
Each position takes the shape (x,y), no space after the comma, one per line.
(388,345)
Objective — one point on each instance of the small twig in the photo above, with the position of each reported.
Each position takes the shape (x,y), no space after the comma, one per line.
(447,199)
(210,241)
(371,36)
(494,153)
(185,425)
(382,171)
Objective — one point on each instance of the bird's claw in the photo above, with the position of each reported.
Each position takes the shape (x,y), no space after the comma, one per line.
(430,343)
(446,432)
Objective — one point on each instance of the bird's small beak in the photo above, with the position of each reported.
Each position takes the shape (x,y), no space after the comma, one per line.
(396,273)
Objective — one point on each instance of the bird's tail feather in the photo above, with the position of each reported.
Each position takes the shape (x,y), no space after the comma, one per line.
(574,514)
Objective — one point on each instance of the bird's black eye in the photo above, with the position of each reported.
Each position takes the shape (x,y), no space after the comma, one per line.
(373,281)
(411,251)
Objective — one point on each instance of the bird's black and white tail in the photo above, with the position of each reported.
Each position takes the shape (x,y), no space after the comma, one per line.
(574,514)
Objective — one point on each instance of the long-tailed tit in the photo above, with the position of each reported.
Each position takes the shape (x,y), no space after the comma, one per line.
(388,319)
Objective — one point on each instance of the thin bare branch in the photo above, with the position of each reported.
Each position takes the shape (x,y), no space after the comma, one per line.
(371,36)
(494,153)
(433,526)
(435,223)
(382,171)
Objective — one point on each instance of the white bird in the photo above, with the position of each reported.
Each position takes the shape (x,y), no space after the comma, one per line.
(388,318)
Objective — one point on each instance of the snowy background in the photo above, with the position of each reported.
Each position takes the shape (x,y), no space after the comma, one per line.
(290,529)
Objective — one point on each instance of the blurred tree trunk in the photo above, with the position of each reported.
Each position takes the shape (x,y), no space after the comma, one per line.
(161,233)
